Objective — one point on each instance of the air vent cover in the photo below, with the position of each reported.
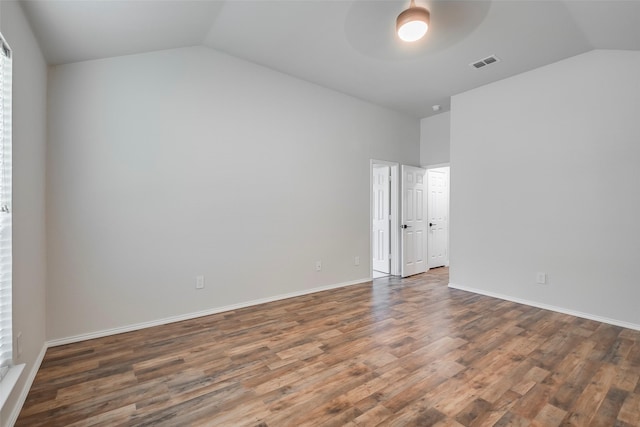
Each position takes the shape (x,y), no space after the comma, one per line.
(484,62)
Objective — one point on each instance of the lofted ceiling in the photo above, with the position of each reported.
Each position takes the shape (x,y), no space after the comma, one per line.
(348,46)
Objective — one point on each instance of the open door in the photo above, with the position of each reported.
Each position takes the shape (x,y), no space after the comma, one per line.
(380,171)
(438,217)
(413,221)
(380,236)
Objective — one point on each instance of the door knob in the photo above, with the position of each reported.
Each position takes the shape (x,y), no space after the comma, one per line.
(405,226)
(431,224)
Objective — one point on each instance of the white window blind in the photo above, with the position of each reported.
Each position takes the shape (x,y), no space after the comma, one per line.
(6,336)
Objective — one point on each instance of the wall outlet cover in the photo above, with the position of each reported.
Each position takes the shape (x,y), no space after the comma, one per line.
(199,282)
(541,278)
(19,344)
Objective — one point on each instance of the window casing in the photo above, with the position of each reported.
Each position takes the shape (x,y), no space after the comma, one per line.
(6,335)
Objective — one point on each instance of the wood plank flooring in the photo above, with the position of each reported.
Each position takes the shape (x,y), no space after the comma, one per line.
(392,353)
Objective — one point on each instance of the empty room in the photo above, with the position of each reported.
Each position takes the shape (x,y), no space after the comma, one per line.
(319,213)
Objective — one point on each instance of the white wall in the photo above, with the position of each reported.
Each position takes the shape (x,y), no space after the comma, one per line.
(29,124)
(546,167)
(435,139)
(167,165)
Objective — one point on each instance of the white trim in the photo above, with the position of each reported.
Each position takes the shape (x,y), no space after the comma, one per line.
(562,310)
(8,382)
(13,417)
(188,316)
(395,220)
(437,166)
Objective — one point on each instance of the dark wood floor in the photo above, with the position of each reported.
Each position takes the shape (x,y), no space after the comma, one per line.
(398,352)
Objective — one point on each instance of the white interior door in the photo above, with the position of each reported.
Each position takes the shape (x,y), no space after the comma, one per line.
(413,224)
(380,237)
(438,216)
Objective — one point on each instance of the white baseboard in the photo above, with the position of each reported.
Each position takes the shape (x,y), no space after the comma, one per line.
(562,310)
(13,417)
(179,318)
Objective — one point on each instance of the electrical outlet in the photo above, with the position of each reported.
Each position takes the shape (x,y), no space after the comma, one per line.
(199,282)
(356,260)
(19,344)
(318,265)
(541,278)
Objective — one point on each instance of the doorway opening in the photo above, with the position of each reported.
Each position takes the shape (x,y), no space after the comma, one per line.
(404,241)
(384,226)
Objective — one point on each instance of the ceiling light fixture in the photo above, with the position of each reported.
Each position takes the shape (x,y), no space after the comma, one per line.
(412,24)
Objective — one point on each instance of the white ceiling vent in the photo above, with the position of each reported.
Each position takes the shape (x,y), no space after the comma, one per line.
(485,61)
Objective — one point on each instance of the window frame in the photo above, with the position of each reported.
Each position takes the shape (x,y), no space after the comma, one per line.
(9,372)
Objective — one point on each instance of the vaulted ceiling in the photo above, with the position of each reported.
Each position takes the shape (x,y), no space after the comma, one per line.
(349,46)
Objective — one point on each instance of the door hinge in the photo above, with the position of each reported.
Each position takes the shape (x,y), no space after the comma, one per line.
(389,256)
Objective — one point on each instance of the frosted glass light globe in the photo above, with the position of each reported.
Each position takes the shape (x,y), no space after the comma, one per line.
(413,31)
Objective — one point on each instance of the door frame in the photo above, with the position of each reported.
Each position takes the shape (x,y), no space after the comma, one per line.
(448,175)
(394,226)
